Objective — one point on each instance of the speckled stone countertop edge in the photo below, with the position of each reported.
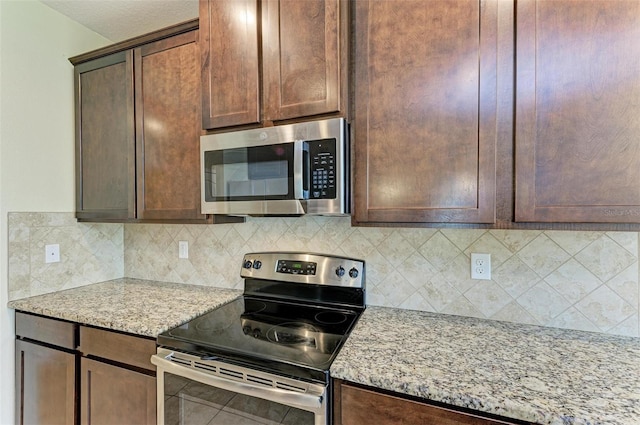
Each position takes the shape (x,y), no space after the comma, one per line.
(387,350)
(136,306)
(539,374)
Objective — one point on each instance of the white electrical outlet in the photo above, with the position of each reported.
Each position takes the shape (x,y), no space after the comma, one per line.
(183,249)
(52,253)
(481,266)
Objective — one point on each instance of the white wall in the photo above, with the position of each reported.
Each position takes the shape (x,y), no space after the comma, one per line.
(36,134)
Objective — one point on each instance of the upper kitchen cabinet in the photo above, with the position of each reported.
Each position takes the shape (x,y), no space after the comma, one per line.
(578,111)
(230,69)
(167,81)
(425,124)
(304,46)
(105,138)
(138,129)
(272,61)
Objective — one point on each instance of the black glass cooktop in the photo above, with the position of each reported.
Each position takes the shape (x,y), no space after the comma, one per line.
(296,339)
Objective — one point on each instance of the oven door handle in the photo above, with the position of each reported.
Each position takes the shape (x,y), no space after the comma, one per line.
(310,402)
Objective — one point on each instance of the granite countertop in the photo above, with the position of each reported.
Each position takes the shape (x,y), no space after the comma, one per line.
(141,307)
(537,374)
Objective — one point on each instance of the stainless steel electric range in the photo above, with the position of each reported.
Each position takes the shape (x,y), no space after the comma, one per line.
(265,356)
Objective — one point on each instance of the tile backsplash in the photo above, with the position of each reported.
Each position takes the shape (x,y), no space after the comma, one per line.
(89,253)
(566,279)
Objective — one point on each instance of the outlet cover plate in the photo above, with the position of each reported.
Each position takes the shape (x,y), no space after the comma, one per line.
(481,266)
(183,249)
(52,253)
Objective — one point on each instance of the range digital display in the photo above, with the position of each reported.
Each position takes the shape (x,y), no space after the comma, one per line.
(296,267)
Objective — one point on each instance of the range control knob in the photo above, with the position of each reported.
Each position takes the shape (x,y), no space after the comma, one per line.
(247,264)
(257,264)
(246,330)
(257,333)
(353,273)
(340,271)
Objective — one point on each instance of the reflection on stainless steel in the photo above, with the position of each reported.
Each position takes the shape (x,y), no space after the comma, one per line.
(240,380)
(291,169)
(293,333)
(271,347)
(331,317)
(327,269)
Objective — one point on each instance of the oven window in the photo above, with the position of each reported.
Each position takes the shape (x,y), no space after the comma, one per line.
(263,172)
(189,402)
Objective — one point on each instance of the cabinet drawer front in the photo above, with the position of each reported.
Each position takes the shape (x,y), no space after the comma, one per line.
(50,331)
(121,348)
(358,406)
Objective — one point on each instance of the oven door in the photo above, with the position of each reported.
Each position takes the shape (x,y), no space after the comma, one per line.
(196,391)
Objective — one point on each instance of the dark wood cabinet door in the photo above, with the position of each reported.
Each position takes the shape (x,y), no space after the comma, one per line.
(45,385)
(168,119)
(114,395)
(304,45)
(356,406)
(578,111)
(105,138)
(230,69)
(425,111)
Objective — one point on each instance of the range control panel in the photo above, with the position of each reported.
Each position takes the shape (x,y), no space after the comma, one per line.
(304,268)
(296,267)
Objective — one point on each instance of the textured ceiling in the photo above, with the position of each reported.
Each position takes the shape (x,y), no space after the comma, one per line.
(119,20)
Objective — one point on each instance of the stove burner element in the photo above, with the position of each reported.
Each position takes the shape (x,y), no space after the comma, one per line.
(209,326)
(254,306)
(331,317)
(293,333)
(212,326)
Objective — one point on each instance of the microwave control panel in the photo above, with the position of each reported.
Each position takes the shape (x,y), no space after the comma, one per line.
(322,158)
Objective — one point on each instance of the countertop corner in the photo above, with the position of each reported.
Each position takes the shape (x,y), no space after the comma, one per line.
(141,307)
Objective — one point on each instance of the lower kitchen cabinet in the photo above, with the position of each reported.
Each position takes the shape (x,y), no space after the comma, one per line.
(45,379)
(354,405)
(117,379)
(114,395)
(68,373)
(45,385)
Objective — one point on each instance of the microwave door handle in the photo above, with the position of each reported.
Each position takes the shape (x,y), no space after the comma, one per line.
(301,168)
(306,173)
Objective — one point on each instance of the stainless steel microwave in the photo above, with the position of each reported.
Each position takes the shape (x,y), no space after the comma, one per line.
(292,169)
